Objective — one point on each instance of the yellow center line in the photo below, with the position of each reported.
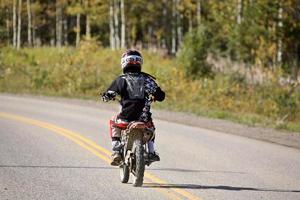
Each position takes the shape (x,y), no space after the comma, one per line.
(92,147)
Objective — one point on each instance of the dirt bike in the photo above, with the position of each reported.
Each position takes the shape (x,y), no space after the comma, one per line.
(134,152)
(133,148)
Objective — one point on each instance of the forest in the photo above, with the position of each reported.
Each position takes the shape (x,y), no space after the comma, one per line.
(223,55)
(264,32)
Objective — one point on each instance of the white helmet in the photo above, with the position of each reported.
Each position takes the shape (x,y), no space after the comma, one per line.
(131,58)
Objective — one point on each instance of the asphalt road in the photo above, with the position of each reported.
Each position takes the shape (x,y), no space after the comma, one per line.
(60,150)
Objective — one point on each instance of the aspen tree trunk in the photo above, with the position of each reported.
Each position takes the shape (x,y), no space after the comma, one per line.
(174,15)
(111,26)
(239,11)
(78,30)
(34,42)
(123,22)
(116,17)
(7,26)
(58,24)
(295,14)
(29,28)
(279,35)
(199,12)
(14,23)
(52,37)
(88,27)
(19,25)
(87,20)
(164,38)
(65,30)
(179,30)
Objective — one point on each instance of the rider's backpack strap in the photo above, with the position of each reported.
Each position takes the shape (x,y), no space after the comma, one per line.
(135,85)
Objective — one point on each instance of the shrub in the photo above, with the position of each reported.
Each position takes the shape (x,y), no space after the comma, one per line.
(90,69)
(194,54)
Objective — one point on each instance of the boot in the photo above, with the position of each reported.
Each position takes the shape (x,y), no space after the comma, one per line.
(153,157)
(116,158)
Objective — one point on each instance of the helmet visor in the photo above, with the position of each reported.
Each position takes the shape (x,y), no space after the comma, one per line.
(131,60)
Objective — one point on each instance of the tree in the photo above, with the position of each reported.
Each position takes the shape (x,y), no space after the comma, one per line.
(279,36)
(78,15)
(257,32)
(59,23)
(116,23)
(174,16)
(88,20)
(15,23)
(75,9)
(240,7)
(111,25)
(19,24)
(5,21)
(194,53)
(290,37)
(123,25)
(199,6)
(29,26)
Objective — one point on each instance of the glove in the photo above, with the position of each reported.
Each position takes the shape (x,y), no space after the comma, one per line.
(109,95)
(105,97)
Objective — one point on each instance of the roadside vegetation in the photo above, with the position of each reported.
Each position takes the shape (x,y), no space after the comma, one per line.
(86,71)
(234,59)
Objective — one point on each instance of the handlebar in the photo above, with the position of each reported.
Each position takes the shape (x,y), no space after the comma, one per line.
(109,95)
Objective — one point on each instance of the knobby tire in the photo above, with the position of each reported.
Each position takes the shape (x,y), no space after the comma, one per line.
(139,163)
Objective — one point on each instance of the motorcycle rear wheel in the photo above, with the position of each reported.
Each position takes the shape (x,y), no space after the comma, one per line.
(139,163)
(124,173)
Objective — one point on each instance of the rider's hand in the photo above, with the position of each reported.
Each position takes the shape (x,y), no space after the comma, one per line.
(105,97)
(109,95)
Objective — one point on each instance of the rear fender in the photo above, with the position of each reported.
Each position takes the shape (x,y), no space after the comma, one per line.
(140,130)
(131,135)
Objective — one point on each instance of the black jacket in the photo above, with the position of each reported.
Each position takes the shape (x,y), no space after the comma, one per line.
(133,108)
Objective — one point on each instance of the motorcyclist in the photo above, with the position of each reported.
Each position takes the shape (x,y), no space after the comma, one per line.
(137,90)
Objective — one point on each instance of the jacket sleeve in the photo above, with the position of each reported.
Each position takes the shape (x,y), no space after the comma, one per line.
(159,94)
(116,85)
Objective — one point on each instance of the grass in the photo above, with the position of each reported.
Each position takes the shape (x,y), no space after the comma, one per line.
(85,72)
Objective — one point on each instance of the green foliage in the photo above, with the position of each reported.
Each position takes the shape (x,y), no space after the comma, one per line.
(255,32)
(88,70)
(64,72)
(194,53)
(254,35)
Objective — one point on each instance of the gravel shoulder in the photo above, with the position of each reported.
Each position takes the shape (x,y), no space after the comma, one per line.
(290,139)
